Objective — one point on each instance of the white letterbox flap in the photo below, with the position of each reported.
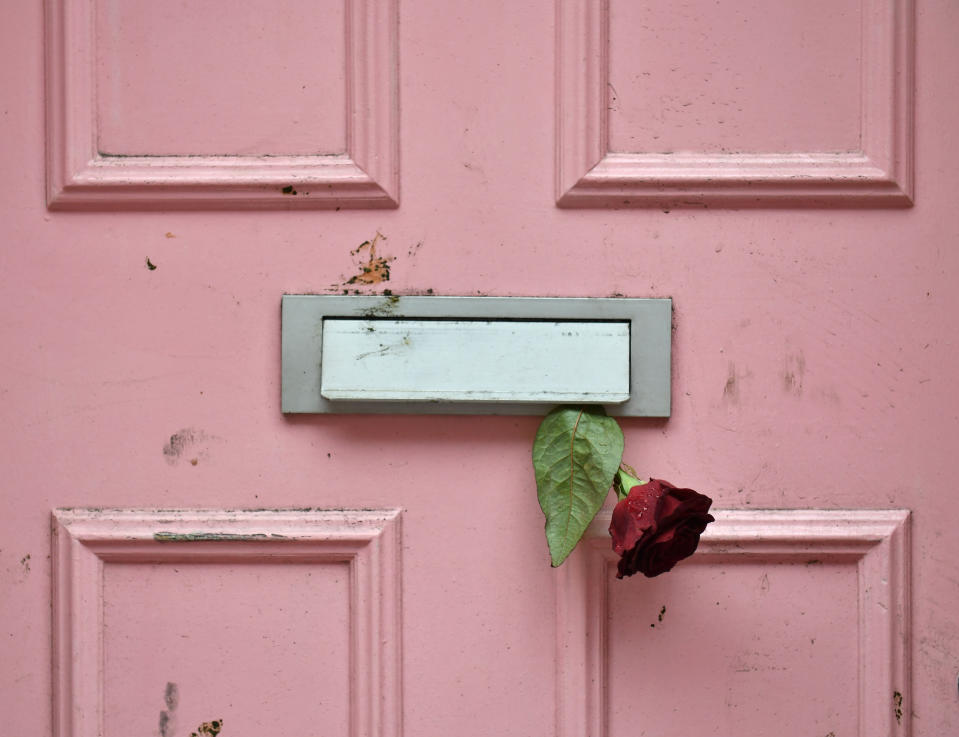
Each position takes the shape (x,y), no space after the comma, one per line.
(475,361)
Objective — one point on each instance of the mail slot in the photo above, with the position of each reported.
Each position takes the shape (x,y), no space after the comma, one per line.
(474,355)
(475,361)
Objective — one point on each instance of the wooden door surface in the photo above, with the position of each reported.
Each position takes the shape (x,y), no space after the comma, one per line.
(178,557)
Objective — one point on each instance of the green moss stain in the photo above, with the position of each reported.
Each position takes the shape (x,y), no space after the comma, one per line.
(192,537)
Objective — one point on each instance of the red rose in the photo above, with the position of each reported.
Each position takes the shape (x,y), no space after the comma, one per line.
(656,526)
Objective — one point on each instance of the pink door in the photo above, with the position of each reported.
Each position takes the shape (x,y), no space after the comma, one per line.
(178,557)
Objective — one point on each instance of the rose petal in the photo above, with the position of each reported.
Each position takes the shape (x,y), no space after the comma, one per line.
(657,526)
(677,503)
(658,558)
(634,516)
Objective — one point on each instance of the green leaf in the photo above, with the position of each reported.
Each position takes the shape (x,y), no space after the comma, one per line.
(575,456)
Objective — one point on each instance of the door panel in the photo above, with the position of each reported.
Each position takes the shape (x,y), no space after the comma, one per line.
(770,598)
(277,619)
(753,106)
(210,106)
(207,558)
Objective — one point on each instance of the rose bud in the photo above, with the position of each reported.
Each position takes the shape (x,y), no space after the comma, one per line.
(656,526)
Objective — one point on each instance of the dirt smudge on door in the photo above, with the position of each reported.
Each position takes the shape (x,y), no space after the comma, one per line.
(188,443)
(171,697)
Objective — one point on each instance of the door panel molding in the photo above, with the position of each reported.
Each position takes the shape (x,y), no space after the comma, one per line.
(880,174)
(368,541)
(79,176)
(875,542)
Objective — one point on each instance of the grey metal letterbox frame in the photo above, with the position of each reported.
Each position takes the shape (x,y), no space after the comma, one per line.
(649,323)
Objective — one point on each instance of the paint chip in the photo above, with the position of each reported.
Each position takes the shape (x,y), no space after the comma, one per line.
(208,729)
(374,269)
